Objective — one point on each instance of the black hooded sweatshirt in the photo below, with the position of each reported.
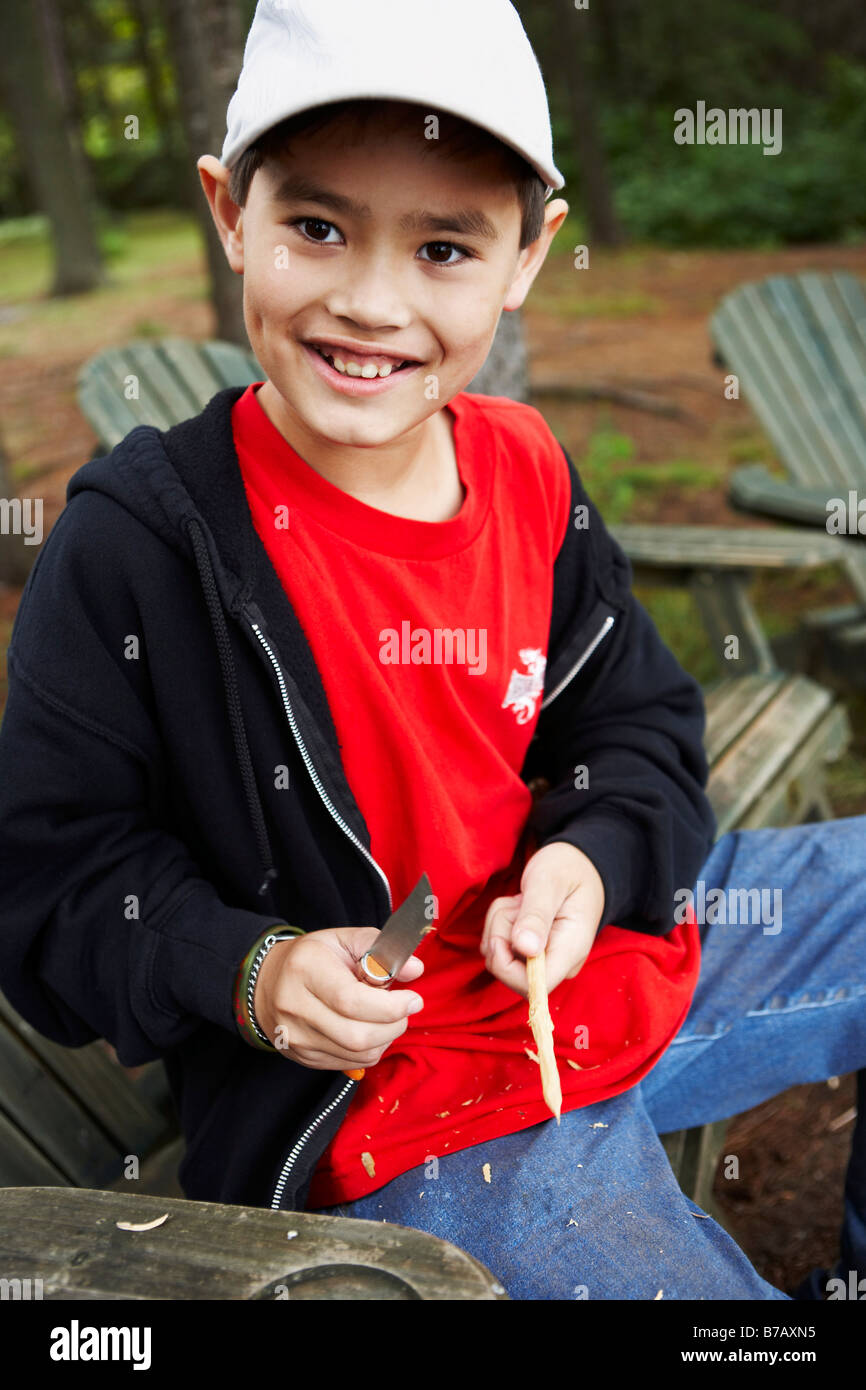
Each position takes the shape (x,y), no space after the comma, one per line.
(157,676)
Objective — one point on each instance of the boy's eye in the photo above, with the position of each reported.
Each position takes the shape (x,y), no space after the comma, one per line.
(316,229)
(445,253)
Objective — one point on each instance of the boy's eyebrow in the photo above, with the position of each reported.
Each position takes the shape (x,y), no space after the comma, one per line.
(295,188)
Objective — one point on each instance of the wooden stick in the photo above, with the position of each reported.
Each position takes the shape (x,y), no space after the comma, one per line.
(542,1030)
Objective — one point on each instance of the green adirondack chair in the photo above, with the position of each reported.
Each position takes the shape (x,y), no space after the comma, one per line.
(797,343)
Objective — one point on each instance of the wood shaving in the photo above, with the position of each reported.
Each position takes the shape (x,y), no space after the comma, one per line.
(571,1222)
(598,1125)
(701,1215)
(141,1225)
(394,1107)
(659,1295)
(486,1171)
(442,1114)
(844,1119)
(290,1235)
(542,1031)
(369,1165)
(533,1056)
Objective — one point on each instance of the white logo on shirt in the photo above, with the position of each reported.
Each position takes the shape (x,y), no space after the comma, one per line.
(525,687)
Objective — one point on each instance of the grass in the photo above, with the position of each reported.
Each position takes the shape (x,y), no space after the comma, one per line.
(147,255)
(627,491)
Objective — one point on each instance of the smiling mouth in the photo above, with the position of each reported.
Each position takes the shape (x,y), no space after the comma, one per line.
(369,368)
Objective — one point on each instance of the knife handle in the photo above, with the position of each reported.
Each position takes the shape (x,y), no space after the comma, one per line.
(374,974)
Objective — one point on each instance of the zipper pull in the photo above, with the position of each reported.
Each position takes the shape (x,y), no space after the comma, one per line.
(254,613)
(270,875)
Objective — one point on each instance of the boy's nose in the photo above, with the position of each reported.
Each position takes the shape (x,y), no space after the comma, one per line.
(369,296)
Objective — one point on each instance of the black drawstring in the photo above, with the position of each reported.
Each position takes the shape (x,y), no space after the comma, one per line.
(233,701)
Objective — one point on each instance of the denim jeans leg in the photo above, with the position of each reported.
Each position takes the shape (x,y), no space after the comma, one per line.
(589,1209)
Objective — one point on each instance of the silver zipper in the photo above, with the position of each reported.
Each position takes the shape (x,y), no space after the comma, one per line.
(293,1155)
(581,661)
(290,715)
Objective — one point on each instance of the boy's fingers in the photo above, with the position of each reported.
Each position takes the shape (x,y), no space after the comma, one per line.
(506,906)
(510,969)
(410,971)
(352,998)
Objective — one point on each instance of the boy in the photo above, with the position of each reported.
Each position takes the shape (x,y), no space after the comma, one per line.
(279,660)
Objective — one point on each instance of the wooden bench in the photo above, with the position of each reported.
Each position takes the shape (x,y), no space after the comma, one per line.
(205,1250)
(158,383)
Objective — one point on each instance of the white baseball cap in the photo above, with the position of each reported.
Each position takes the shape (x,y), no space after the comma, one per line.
(470,58)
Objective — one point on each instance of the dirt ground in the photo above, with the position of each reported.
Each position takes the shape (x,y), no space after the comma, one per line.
(633,322)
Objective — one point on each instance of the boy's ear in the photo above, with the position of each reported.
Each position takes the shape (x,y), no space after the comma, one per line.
(227,216)
(532,257)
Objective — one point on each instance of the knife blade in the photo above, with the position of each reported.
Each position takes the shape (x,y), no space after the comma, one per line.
(395,944)
(398,938)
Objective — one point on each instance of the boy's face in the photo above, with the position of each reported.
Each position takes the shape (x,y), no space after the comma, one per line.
(395,263)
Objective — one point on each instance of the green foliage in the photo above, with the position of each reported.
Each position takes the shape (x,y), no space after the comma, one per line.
(611,493)
(735,195)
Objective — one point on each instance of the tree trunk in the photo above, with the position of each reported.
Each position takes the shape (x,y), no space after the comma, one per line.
(33,77)
(16,558)
(207,48)
(506,371)
(570,59)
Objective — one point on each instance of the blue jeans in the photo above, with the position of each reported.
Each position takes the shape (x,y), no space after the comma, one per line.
(591,1209)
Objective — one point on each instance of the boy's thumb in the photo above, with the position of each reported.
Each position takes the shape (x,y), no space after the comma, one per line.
(535,918)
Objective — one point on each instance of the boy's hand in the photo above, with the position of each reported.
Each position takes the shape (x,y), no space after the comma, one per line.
(310,1003)
(558,910)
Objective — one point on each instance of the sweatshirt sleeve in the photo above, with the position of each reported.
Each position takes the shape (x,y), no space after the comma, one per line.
(107,926)
(621,744)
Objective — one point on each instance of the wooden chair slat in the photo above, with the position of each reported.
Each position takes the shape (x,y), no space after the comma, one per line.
(759,758)
(111,374)
(740,331)
(160,383)
(846,357)
(22,1164)
(727,547)
(233,365)
(33,1100)
(790,799)
(193,369)
(103,1087)
(850,295)
(108,413)
(823,388)
(731,707)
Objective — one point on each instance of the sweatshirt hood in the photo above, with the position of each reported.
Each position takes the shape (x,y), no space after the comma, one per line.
(175,480)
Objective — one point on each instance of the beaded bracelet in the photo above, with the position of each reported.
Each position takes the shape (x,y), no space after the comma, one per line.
(245,984)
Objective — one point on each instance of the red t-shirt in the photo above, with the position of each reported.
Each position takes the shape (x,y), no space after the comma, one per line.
(422,632)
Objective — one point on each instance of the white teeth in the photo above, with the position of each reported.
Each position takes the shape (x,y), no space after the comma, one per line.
(369,372)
